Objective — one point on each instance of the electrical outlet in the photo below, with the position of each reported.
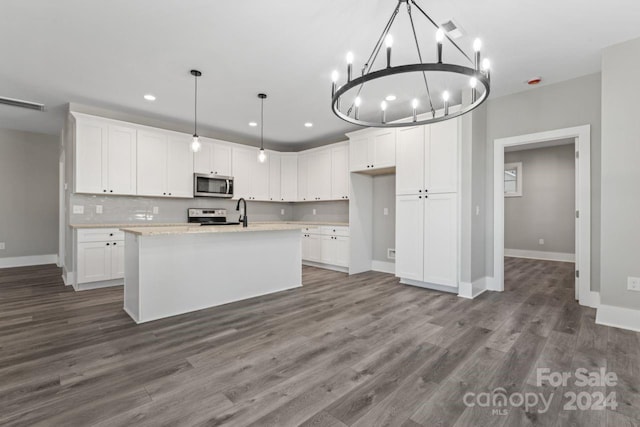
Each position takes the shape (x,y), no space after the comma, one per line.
(477,210)
(385,211)
(391,253)
(2,246)
(156,210)
(78,209)
(541,241)
(281,211)
(633,284)
(98,209)
(314,211)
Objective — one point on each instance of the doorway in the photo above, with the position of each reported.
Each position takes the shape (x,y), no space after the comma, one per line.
(582,137)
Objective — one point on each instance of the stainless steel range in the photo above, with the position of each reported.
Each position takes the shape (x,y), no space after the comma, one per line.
(204,216)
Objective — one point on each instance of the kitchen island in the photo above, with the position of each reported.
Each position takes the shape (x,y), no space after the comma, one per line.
(173,270)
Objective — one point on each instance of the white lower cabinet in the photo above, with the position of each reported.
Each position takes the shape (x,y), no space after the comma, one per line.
(100,255)
(427,238)
(326,245)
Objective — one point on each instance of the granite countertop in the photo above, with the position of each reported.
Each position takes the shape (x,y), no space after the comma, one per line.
(130,224)
(196,229)
(184,224)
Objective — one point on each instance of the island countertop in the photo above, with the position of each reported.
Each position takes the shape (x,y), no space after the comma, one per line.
(197,229)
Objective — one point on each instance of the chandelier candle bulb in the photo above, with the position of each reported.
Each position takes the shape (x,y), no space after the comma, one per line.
(389,42)
(445,98)
(477,45)
(349,65)
(383,107)
(486,67)
(414,105)
(357,103)
(439,40)
(334,81)
(473,82)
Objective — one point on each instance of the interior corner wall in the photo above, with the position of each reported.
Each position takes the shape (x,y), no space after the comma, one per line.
(29,164)
(620,174)
(478,186)
(570,103)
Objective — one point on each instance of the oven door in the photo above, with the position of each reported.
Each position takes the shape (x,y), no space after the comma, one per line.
(205,185)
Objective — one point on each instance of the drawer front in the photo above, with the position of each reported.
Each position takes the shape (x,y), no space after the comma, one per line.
(100,235)
(311,230)
(334,231)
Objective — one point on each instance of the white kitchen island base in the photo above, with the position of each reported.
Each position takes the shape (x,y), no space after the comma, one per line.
(172,273)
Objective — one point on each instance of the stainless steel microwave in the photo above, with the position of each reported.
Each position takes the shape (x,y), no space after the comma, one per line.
(205,185)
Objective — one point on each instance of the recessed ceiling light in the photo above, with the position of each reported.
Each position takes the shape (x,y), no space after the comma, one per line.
(308,124)
(253,124)
(149,97)
(390,98)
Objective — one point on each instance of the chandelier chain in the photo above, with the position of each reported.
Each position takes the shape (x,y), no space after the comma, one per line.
(424,75)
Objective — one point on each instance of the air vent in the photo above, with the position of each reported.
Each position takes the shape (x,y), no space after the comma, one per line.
(22,104)
(452,29)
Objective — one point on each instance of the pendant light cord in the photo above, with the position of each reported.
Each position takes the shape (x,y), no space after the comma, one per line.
(262,123)
(195,109)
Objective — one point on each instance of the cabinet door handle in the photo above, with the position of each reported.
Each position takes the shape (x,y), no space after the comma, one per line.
(426,197)
(107,244)
(104,191)
(419,197)
(419,191)
(110,191)
(114,243)
(110,234)
(426,191)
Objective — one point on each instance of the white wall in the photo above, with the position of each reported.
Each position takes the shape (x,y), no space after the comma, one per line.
(28,193)
(546,209)
(620,174)
(384,226)
(571,103)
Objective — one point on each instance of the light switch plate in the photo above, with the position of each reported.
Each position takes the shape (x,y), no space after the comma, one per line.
(2,247)
(78,209)
(156,210)
(314,211)
(98,209)
(385,211)
(281,211)
(633,284)
(541,241)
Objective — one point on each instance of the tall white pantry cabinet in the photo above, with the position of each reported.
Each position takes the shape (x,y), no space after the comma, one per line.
(427,220)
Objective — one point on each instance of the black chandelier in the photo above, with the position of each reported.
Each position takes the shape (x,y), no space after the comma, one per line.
(477,75)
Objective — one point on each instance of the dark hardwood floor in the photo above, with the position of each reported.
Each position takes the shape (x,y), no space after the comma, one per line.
(361,350)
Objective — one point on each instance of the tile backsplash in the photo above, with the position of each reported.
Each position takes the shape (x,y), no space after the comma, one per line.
(124,209)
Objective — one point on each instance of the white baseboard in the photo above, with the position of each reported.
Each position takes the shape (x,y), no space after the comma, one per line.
(542,255)
(325,266)
(433,286)
(491,284)
(383,266)
(67,277)
(97,285)
(473,290)
(24,261)
(618,317)
(592,300)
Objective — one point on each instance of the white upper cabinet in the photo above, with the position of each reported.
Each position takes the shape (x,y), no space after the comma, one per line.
(289,177)
(152,163)
(319,175)
(214,158)
(410,160)
(105,158)
(441,157)
(91,137)
(340,172)
(303,177)
(427,159)
(374,149)
(275,190)
(251,178)
(179,166)
(165,165)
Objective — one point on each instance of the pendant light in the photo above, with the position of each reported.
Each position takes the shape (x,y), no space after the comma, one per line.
(195,144)
(262,156)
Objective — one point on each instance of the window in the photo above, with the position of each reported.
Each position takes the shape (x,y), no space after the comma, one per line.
(513,179)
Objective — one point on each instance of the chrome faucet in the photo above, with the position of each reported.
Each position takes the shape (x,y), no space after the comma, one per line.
(243,214)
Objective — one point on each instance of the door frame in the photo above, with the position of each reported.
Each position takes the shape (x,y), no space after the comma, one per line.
(582,135)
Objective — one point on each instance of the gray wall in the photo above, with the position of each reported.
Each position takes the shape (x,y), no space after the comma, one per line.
(28,193)
(384,226)
(571,103)
(620,174)
(546,209)
(335,211)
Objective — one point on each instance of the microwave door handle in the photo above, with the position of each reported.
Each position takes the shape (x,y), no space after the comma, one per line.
(227,192)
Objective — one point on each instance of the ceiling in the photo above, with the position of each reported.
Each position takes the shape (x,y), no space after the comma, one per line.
(109,54)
